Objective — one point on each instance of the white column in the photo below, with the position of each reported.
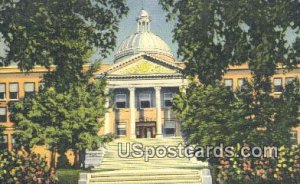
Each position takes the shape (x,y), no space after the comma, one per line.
(158,112)
(106,117)
(132,113)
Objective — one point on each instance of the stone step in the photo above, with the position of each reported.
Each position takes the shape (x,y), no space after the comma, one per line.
(114,167)
(147,164)
(143,149)
(152,178)
(123,146)
(150,139)
(123,167)
(147,142)
(146,173)
(142,160)
(117,170)
(151,182)
(116,156)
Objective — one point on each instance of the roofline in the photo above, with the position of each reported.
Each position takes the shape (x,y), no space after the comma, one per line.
(116,65)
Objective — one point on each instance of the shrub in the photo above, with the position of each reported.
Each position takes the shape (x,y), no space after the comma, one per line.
(285,169)
(63,162)
(29,169)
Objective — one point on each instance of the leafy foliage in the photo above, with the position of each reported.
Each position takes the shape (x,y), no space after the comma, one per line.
(1,130)
(68,113)
(63,162)
(29,169)
(67,120)
(282,170)
(273,117)
(61,33)
(214,34)
(41,32)
(211,115)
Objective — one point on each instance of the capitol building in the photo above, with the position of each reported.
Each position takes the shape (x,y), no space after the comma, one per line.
(143,79)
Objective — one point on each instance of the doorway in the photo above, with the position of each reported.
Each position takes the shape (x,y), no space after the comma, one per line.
(145,129)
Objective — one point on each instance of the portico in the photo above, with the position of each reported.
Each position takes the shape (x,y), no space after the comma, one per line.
(145,108)
(143,81)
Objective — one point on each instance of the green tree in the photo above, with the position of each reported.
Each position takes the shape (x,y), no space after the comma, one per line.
(84,114)
(272,117)
(62,120)
(214,34)
(1,133)
(38,121)
(60,33)
(67,113)
(212,115)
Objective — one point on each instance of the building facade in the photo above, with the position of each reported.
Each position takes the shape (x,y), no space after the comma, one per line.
(142,80)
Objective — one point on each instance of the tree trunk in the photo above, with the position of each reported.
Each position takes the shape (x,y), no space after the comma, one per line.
(76,159)
(53,157)
(82,158)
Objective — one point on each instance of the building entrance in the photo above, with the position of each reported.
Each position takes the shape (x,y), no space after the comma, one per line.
(145,129)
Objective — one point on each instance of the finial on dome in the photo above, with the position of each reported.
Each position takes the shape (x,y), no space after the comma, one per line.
(143,21)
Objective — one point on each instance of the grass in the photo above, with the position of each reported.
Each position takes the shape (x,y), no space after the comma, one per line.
(69,176)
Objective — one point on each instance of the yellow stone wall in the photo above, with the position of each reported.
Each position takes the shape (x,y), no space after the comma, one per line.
(12,74)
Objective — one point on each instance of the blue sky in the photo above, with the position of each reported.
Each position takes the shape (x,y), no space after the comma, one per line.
(159,26)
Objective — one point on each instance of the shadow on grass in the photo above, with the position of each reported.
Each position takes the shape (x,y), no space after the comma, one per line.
(71,176)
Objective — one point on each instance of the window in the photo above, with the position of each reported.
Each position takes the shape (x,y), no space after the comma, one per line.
(11,113)
(3,142)
(121,129)
(121,101)
(14,143)
(2,91)
(294,137)
(41,85)
(168,100)
(29,89)
(228,83)
(241,82)
(145,100)
(278,85)
(289,80)
(14,91)
(3,114)
(169,128)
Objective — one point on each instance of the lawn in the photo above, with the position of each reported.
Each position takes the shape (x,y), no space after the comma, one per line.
(69,176)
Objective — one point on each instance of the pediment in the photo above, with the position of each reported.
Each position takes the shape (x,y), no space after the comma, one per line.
(143,66)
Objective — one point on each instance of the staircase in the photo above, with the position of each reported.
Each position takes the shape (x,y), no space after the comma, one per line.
(130,170)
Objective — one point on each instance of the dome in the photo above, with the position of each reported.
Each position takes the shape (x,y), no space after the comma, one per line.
(143,41)
(144,13)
